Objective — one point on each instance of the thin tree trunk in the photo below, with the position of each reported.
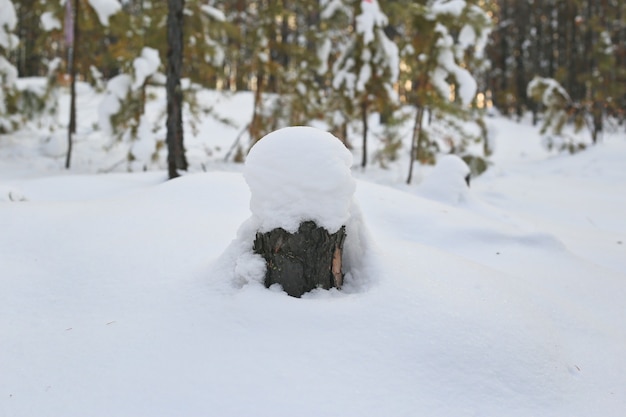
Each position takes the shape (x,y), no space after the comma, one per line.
(176,152)
(416,140)
(597,114)
(521,22)
(365,128)
(256,125)
(551,43)
(71,129)
(503,30)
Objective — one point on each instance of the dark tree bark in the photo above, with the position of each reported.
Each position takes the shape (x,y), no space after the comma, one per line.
(598,118)
(521,80)
(302,261)
(364,106)
(504,51)
(176,159)
(71,130)
(417,141)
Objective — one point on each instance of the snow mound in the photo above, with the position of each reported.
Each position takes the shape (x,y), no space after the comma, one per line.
(447,182)
(297,174)
(54,145)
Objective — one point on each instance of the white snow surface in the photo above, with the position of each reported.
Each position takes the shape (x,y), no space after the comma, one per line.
(122,294)
(297,174)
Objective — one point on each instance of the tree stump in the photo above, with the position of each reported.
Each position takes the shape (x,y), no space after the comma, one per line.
(302,261)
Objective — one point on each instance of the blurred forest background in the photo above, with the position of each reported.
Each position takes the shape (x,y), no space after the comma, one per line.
(339,61)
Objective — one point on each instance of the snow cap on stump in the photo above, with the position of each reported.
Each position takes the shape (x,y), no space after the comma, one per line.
(297,174)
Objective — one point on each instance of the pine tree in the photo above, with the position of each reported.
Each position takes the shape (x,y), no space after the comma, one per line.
(122,111)
(368,67)
(336,16)
(559,108)
(602,87)
(447,39)
(204,38)
(298,82)
(577,43)
(555,100)
(29,103)
(140,47)
(80,16)
(138,39)
(248,62)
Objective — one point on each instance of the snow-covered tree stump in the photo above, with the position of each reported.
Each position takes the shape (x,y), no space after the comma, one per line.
(301,194)
(302,261)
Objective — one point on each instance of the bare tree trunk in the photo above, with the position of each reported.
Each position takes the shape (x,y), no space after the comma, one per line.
(598,116)
(416,141)
(71,129)
(521,23)
(256,125)
(303,261)
(365,129)
(176,159)
(500,98)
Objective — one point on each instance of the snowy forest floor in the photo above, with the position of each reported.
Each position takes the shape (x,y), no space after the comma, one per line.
(509,302)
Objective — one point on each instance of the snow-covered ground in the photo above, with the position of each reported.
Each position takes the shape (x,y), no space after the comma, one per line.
(506,299)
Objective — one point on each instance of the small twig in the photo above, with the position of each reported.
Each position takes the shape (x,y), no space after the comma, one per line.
(236,142)
(115,165)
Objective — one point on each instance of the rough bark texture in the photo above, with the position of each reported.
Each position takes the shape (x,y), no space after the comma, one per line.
(302,261)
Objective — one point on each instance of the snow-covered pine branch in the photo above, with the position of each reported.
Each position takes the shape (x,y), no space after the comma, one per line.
(121,112)
(8,73)
(443,55)
(367,69)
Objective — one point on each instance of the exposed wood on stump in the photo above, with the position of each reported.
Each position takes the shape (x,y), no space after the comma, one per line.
(302,261)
